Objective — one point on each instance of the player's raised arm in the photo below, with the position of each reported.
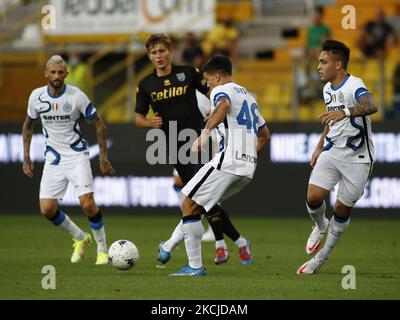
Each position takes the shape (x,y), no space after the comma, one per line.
(105,165)
(27,132)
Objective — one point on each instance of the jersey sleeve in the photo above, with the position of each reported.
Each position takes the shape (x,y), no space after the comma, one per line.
(203,103)
(359,89)
(198,82)
(261,122)
(219,94)
(142,100)
(86,107)
(32,111)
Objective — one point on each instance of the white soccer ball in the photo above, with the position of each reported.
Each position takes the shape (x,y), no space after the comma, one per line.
(123,254)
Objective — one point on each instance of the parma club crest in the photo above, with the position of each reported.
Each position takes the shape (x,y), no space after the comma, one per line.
(181,76)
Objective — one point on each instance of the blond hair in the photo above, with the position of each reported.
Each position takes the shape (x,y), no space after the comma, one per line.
(156,39)
(56,59)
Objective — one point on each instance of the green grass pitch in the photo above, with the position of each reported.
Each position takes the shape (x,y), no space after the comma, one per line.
(28,242)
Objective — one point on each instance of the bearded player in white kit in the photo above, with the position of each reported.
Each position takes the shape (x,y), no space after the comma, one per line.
(59,107)
(347,157)
(242,134)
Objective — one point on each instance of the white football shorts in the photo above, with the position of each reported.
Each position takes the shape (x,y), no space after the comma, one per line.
(210,186)
(352,177)
(55,178)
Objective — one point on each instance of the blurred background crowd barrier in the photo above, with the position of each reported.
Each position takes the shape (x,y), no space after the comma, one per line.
(278,188)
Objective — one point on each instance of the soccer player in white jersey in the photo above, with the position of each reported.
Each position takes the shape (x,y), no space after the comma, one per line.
(59,107)
(177,236)
(178,103)
(242,135)
(346,158)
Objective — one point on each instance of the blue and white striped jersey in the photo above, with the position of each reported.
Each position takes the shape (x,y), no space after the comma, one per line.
(350,139)
(60,120)
(237,135)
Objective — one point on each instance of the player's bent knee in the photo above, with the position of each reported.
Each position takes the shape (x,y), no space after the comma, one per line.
(190,207)
(314,199)
(341,210)
(186,205)
(48,209)
(315,195)
(48,212)
(89,207)
(88,204)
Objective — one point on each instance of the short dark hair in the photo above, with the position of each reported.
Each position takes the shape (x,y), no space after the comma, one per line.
(221,64)
(157,38)
(339,49)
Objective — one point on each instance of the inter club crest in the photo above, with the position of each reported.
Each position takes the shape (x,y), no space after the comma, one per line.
(67,107)
(181,76)
(341,97)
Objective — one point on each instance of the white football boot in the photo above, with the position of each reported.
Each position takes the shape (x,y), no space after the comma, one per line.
(315,238)
(311,266)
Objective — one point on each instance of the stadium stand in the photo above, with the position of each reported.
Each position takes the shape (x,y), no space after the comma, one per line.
(271,43)
(276,96)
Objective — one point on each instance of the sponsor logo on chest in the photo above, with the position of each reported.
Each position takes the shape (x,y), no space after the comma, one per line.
(168,93)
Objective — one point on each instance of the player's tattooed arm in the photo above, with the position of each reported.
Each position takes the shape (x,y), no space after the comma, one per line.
(105,165)
(366,106)
(27,132)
